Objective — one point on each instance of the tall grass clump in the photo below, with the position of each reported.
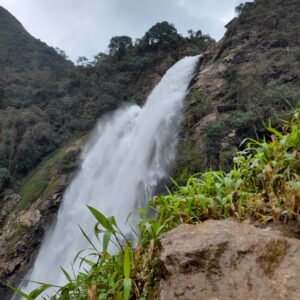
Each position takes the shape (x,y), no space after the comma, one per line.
(263,185)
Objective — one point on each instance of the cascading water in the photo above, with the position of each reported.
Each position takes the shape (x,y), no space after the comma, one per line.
(129,154)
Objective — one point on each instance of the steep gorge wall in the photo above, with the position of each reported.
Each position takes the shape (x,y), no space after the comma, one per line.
(251,75)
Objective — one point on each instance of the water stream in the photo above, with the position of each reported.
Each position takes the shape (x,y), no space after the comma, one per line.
(128,155)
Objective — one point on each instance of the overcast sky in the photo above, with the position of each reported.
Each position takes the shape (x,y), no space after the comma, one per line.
(84,27)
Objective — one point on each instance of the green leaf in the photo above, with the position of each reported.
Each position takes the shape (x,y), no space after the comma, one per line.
(67,275)
(77,255)
(89,262)
(87,238)
(142,211)
(106,240)
(128,217)
(112,221)
(174,182)
(102,219)
(276,132)
(20,292)
(127,288)
(64,294)
(127,262)
(112,281)
(97,231)
(35,293)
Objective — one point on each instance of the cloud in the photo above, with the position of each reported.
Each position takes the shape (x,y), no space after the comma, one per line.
(84,28)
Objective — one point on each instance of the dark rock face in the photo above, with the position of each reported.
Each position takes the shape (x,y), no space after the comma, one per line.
(226,260)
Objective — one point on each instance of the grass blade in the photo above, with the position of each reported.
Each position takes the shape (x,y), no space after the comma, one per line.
(102,219)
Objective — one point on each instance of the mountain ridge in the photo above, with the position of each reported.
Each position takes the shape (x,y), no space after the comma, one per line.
(9,19)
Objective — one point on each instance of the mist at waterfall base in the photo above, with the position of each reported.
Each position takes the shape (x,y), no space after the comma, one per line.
(128,155)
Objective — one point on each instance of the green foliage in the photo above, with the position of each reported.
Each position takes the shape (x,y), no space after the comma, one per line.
(118,45)
(263,185)
(126,266)
(162,33)
(32,188)
(45,179)
(108,276)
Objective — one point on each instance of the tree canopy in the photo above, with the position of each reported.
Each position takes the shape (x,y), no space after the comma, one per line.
(119,44)
(161,33)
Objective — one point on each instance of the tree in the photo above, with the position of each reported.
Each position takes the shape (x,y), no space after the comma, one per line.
(100,57)
(118,45)
(195,34)
(38,141)
(61,53)
(161,33)
(82,61)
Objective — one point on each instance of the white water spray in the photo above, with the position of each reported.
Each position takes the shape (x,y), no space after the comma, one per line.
(128,156)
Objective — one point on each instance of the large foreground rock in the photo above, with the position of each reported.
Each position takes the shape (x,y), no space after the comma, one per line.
(227,260)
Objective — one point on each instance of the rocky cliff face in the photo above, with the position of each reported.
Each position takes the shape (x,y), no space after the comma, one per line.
(251,75)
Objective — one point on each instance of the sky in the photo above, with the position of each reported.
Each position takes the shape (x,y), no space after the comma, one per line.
(84,27)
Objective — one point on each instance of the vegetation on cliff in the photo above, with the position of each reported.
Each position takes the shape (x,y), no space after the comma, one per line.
(252,74)
(263,186)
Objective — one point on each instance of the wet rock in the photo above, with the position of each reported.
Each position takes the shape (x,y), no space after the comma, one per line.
(227,260)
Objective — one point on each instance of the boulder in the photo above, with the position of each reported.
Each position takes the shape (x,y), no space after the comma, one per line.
(223,260)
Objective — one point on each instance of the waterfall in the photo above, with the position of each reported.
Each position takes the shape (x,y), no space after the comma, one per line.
(128,155)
